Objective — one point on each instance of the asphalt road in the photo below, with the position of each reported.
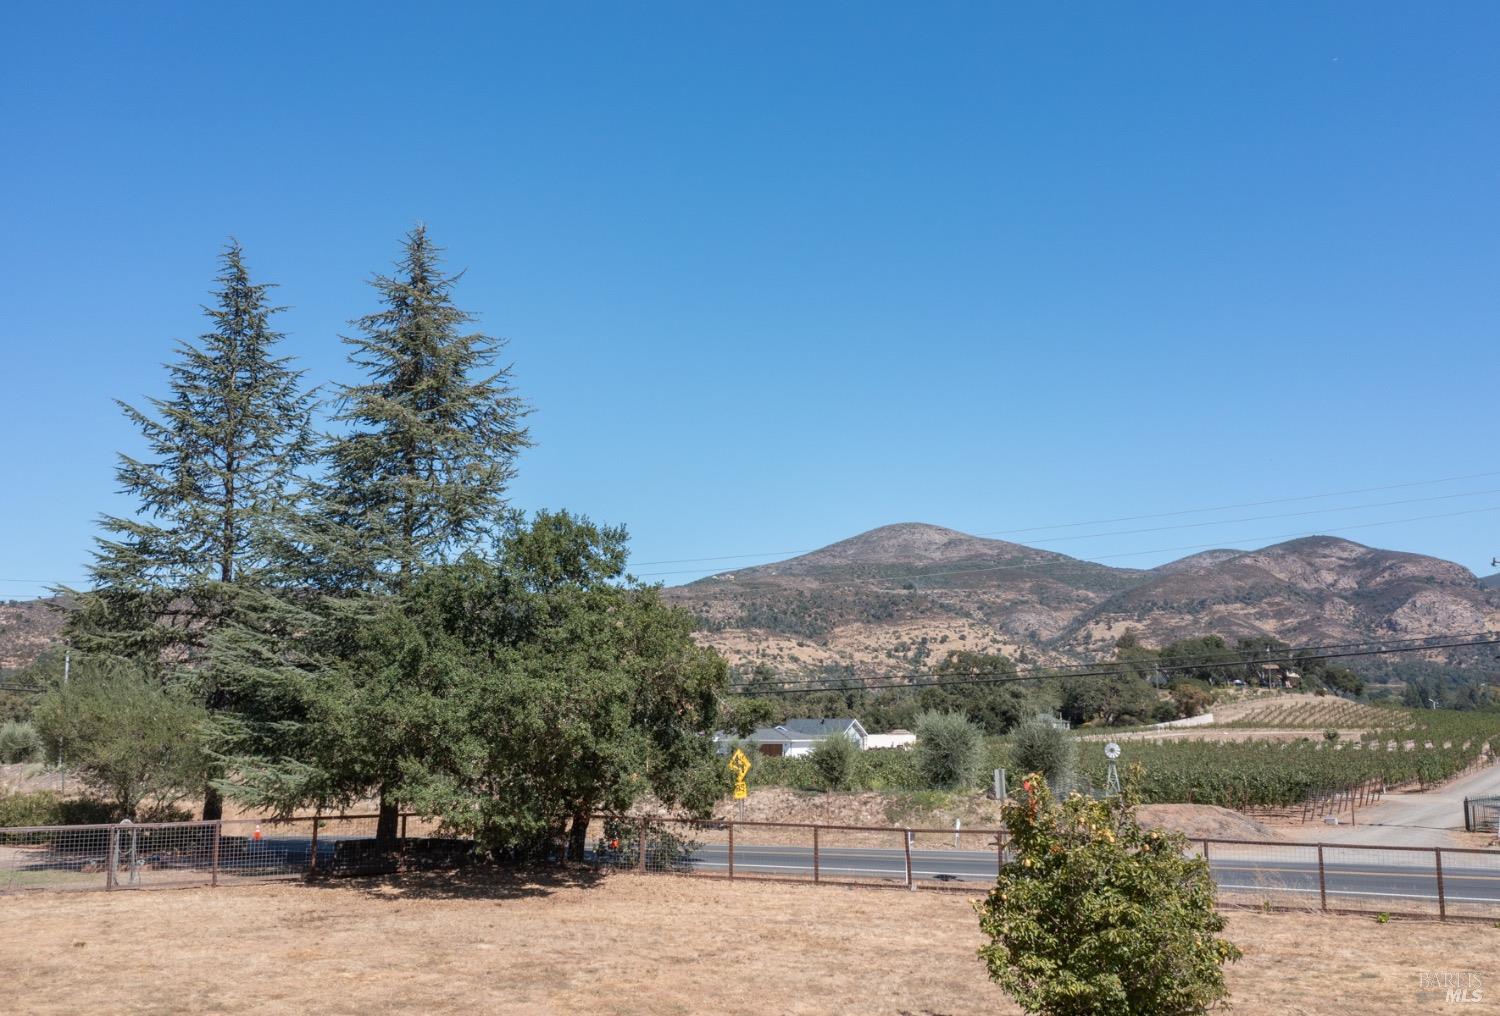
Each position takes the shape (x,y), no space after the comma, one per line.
(1389,875)
(1396,876)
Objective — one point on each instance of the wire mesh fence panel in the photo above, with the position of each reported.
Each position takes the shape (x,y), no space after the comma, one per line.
(1380,879)
(1255,874)
(775,850)
(862,856)
(122,856)
(616,842)
(965,858)
(686,848)
(710,843)
(1482,814)
(260,850)
(1471,883)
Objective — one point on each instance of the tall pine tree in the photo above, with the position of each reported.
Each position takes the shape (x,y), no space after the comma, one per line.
(218,485)
(419,473)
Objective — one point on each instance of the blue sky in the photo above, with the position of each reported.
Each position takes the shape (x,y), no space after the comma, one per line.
(774,274)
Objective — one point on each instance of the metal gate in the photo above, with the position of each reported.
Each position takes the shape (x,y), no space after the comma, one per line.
(1482,814)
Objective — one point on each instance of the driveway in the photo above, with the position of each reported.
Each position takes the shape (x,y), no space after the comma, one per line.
(1430,819)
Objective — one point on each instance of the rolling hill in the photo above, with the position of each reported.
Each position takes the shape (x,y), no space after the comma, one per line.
(27,628)
(902,595)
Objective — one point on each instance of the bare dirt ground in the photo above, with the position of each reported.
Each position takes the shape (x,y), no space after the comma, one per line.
(937,812)
(1198,821)
(26,777)
(626,944)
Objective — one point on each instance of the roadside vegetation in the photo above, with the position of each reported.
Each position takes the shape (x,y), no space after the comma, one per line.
(1094,914)
(1422,747)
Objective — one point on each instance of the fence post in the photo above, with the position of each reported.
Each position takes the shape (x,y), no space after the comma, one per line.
(403,825)
(731,848)
(640,864)
(817,876)
(906,842)
(999,851)
(1322,880)
(112,857)
(1437,860)
(312,852)
(213,861)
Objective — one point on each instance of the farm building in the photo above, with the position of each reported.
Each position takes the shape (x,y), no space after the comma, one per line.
(895,739)
(1274,675)
(794,737)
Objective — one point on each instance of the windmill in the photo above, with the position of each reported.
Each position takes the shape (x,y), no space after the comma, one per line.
(1112,778)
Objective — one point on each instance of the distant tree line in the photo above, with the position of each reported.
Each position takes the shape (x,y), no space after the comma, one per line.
(1139,685)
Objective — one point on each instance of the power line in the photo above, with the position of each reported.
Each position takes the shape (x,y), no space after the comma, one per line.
(1262,518)
(1115,671)
(1289,655)
(914,576)
(1122,518)
(12,580)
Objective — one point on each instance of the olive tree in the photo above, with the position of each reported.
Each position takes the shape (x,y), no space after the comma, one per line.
(129,737)
(833,760)
(948,750)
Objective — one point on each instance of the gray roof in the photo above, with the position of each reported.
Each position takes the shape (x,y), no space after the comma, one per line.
(818,728)
(799,729)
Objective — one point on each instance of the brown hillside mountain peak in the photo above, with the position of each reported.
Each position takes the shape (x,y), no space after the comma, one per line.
(904,595)
(907,545)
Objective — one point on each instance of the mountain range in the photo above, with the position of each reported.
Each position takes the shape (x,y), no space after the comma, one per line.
(902,595)
(905,595)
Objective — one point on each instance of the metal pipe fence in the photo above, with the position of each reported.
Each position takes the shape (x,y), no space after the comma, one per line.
(1482,814)
(1440,882)
(144,855)
(1446,883)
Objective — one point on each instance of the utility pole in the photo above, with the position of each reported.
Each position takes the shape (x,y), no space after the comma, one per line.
(62,774)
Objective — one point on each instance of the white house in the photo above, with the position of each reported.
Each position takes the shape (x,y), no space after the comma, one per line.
(794,737)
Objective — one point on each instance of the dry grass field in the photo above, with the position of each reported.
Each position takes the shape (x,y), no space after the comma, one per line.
(627,944)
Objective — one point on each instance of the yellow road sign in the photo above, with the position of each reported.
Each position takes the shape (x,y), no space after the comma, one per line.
(739,764)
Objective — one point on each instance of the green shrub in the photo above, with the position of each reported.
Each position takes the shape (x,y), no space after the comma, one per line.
(1190,697)
(48,807)
(128,737)
(833,760)
(887,769)
(948,750)
(1095,915)
(19,742)
(1042,748)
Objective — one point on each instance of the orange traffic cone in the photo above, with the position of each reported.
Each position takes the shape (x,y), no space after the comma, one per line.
(256,834)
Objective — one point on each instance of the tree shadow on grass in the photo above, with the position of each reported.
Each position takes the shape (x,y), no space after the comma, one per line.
(472,882)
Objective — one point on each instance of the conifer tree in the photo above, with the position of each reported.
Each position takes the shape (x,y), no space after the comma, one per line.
(418,475)
(217,485)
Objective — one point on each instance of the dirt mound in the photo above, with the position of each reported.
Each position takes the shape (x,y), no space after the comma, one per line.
(919,809)
(930,810)
(1199,821)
